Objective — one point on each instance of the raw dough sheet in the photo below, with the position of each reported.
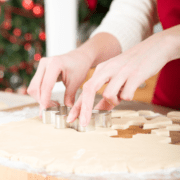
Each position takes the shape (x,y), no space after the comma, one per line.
(42,147)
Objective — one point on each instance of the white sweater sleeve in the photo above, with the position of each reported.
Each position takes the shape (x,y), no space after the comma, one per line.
(130,21)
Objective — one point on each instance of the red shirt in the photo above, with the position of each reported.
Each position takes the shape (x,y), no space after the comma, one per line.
(167,91)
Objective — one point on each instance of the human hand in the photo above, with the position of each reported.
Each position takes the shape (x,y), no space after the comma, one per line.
(124,73)
(71,68)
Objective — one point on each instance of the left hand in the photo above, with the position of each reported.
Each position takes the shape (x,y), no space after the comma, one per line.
(124,73)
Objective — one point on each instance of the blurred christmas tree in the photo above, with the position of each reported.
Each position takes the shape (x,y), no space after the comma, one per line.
(22,42)
(22,39)
(91,13)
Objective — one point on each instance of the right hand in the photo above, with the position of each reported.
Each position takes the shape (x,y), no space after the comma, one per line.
(71,68)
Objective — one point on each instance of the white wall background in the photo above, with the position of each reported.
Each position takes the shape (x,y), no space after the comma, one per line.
(61,29)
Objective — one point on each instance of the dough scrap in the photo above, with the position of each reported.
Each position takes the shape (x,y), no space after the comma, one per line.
(41,146)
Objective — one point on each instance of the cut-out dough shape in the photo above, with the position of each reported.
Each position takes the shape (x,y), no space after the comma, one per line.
(166,131)
(41,146)
(146,113)
(125,122)
(173,114)
(124,113)
(149,114)
(172,131)
(158,122)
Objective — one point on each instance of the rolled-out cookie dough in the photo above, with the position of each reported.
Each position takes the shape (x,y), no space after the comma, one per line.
(68,151)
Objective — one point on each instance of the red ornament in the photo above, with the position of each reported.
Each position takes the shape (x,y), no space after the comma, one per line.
(27,46)
(38,10)
(2,68)
(17,32)
(22,65)
(7,25)
(37,57)
(1,79)
(9,90)
(13,39)
(28,36)
(29,69)
(13,69)
(28,4)
(42,36)
(92,4)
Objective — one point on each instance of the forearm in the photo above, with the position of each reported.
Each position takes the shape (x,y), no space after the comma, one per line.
(100,48)
(172,39)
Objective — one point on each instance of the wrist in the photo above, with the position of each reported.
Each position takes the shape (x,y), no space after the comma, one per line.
(100,48)
(171,42)
(82,56)
(86,53)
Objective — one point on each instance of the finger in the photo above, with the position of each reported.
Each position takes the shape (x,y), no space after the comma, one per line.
(75,111)
(34,87)
(111,93)
(50,104)
(89,90)
(104,105)
(70,92)
(49,80)
(133,82)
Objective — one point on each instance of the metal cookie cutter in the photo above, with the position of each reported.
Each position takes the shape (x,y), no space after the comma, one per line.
(60,121)
(63,110)
(89,127)
(48,114)
(74,125)
(102,118)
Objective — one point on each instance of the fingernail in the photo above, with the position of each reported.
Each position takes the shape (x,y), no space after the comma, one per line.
(69,118)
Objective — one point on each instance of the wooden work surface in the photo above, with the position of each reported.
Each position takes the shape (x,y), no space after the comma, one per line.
(7,173)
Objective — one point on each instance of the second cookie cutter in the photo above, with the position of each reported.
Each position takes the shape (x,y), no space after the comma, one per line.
(102,118)
(90,127)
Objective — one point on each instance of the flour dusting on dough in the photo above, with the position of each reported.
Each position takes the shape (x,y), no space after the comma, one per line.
(79,154)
